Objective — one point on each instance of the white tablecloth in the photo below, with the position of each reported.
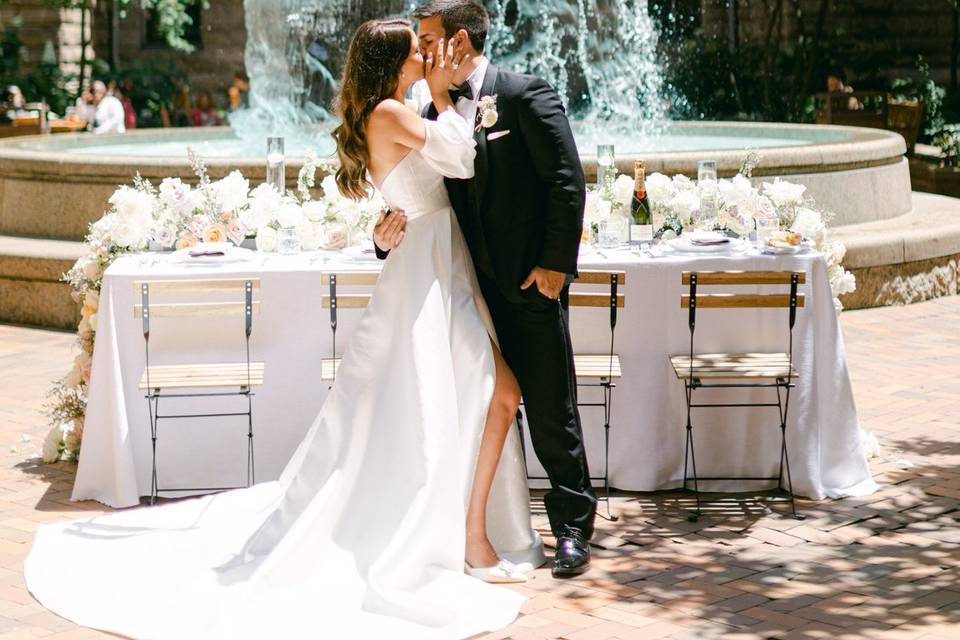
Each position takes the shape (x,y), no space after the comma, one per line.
(292,335)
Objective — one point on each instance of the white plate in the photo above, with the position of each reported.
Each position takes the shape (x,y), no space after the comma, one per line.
(360,252)
(230,254)
(683,244)
(786,251)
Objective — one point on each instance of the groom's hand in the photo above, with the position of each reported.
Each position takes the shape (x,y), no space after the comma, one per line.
(549,283)
(389,230)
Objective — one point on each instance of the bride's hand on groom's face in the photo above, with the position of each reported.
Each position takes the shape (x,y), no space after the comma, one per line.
(389,230)
(441,68)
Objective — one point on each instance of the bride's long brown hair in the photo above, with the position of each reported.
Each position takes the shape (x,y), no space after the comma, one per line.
(377,54)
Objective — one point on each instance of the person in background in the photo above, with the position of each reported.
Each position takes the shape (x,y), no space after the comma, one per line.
(129,113)
(835,84)
(238,93)
(86,110)
(109,117)
(12,101)
(203,113)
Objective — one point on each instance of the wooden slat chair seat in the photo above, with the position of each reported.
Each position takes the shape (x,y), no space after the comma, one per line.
(203,375)
(734,365)
(329,367)
(195,380)
(600,367)
(770,371)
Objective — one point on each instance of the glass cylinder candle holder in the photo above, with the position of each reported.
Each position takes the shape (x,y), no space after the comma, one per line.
(709,194)
(276,164)
(606,166)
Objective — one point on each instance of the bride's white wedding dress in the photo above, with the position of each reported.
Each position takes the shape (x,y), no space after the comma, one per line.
(363,534)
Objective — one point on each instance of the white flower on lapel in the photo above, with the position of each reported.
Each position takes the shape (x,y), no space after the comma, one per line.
(487,112)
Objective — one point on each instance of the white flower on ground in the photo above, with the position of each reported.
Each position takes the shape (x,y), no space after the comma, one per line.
(232,191)
(267,239)
(53,445)
(784,193)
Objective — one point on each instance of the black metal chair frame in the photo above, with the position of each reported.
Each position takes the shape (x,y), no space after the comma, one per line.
(154,395)
(781,385)
(607,385)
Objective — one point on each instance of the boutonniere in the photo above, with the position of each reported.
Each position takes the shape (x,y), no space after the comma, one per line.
(487,112)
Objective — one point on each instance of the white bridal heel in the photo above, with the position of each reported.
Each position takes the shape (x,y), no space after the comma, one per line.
(502,572)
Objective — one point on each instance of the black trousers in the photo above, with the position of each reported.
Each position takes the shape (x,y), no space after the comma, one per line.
(534,338)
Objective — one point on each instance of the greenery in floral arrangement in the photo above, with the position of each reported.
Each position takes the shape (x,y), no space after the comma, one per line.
(948,140)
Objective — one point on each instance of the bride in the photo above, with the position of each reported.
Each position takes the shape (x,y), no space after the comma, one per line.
(377,528)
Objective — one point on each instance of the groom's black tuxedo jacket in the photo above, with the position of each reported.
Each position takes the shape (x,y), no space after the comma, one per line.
(524,206)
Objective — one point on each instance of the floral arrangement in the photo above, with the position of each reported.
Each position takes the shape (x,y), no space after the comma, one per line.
(178,215)
(675,204)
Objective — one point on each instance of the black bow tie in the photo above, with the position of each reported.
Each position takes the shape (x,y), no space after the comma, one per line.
(463,91)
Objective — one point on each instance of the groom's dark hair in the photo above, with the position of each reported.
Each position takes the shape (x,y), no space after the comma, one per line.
(454,15)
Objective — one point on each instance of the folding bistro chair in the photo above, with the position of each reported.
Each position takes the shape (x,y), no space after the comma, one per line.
(599,371)
(196,379)
(739,370)
(334,301)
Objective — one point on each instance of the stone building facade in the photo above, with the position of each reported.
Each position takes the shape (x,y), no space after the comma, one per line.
(897,30)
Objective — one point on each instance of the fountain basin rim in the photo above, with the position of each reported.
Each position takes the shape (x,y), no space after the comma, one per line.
(859,148)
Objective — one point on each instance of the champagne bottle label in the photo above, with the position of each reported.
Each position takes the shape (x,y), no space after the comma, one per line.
(641,233)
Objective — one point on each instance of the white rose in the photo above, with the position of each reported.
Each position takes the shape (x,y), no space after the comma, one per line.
(290,214)
(682,182)
(329,187)
(131,202)
(597,209)
(236,232)
(75,377)
(623,190)
(314,210)
(809,224)
(232,191)
(91,269)
(784,193)
(308,239)
(684,203)
(336,236)
(660,188)
(52,445)
(178,197)
(835,253)
(267,239)
(489,118)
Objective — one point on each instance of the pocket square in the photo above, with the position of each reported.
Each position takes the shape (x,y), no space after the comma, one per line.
(497,134)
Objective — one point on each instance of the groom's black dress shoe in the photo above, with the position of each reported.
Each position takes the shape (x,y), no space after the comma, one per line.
(573,553)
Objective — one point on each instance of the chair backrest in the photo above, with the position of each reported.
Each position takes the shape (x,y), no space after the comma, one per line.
(172,290)
(334,299)
(693,299)
(610,297)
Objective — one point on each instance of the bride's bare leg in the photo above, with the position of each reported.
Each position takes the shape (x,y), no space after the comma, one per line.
(500,417)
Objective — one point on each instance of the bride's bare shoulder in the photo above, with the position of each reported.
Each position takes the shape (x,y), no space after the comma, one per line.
(392,111)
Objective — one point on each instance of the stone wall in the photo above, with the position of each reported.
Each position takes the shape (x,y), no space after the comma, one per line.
(897,29)
(209,68)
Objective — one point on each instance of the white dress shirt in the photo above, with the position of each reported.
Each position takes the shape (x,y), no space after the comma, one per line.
(110,118)
(420,93)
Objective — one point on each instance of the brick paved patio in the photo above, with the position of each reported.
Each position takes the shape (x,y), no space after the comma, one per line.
(885,566)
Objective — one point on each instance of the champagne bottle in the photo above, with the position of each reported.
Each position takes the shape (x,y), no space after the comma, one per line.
(641,227)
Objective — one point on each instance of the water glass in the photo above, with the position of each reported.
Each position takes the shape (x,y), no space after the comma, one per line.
(606,165)
(288,241)
(609,233)
(765,227)
(276,164)
(709,194)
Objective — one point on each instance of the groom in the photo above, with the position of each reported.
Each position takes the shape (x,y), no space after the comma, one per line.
(522,216)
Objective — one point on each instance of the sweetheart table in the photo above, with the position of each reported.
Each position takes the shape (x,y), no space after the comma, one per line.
(292,335)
